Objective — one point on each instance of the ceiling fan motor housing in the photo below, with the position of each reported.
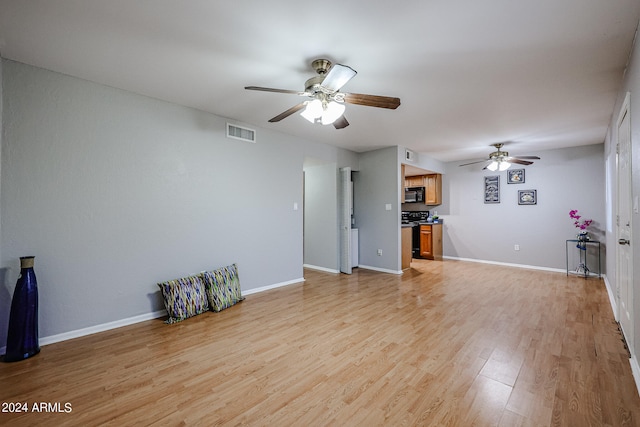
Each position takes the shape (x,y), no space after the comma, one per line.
(321,66)
(498,153)
(313,84)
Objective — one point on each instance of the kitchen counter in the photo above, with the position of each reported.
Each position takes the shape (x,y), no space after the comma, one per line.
(414,223)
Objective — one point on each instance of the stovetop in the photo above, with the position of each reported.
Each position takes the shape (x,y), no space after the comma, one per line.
(409,217)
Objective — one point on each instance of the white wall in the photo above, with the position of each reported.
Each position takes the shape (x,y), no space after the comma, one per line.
(114,192)
(565,179)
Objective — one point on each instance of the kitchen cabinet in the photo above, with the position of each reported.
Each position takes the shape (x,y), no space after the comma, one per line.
(432,184)
(414,181)
(433,189)
(431,241)
(407,246)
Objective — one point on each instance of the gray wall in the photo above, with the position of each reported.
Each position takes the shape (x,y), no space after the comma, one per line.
(321,245)
(113,192)
(5,296)
(565,179)
(377,184)
(631,84)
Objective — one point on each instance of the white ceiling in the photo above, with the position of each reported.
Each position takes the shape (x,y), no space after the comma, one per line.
(539,73)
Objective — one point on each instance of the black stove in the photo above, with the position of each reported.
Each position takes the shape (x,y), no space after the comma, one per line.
(415,218)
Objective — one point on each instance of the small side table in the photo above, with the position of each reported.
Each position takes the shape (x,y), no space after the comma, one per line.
(582,266)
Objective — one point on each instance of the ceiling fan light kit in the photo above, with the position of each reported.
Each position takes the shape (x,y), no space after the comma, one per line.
(498,165)
(324,112)
(327,102)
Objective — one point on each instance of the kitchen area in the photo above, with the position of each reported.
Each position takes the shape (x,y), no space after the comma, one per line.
(421,226)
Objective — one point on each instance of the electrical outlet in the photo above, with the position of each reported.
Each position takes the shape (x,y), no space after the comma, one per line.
(516,247)
(379,252)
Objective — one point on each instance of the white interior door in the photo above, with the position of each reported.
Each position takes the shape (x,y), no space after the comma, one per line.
(624,253)
(345,207)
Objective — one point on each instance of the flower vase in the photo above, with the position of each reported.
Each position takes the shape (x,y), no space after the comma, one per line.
(22,338)
(582,237)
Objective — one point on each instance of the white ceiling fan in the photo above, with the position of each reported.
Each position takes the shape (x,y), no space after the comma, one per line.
(326,102)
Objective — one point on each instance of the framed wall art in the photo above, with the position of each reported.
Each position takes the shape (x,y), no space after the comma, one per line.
(515,176)
(527,197)
(492,189)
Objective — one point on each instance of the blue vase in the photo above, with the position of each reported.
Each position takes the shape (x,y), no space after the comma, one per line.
(22,339)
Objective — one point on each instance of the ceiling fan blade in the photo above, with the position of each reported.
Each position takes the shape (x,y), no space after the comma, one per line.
(517,161)
(528,157)
(473,163)
(337,77)
(287,113)
(269,89)
(372,100)
(341,123)
(521,162)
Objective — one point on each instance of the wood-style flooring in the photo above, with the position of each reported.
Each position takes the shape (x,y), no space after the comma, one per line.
(448,343)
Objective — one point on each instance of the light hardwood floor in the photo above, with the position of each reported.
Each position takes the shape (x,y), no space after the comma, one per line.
(448,343)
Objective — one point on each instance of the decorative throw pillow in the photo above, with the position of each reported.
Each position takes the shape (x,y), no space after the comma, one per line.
(223,287)
(184,298)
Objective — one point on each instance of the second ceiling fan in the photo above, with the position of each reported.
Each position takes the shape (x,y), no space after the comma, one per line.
(326,103)
(500,160)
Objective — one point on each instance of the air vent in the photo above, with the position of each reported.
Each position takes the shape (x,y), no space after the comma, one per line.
(409,155)
(241,133)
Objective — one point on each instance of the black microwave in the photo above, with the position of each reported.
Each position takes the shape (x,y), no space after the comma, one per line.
(414,195)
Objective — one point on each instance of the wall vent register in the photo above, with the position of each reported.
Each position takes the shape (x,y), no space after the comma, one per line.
(241,133)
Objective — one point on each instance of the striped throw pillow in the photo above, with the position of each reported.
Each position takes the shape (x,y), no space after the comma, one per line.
(184,298)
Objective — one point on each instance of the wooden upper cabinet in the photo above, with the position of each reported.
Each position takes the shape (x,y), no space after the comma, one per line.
(414,181)
(433,189)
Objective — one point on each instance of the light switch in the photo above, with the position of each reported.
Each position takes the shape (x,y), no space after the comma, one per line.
(635,204)
(295,206)
(387,206)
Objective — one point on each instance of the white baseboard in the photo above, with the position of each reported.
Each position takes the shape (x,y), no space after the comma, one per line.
(97,328)
(508,264)
(612,297)
(633,361)
(325,269)
(381,270)
(277,285)
(635,369)
(131,320)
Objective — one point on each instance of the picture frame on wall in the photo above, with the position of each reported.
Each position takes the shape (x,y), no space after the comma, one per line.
(515,176)
(492,189)
(527,197)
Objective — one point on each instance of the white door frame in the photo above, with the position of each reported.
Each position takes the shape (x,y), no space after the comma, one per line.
(624,260)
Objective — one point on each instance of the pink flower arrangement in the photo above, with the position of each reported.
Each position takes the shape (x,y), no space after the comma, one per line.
(582,225)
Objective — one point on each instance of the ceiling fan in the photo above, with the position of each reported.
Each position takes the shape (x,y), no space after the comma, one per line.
(326,103)
(500,160)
